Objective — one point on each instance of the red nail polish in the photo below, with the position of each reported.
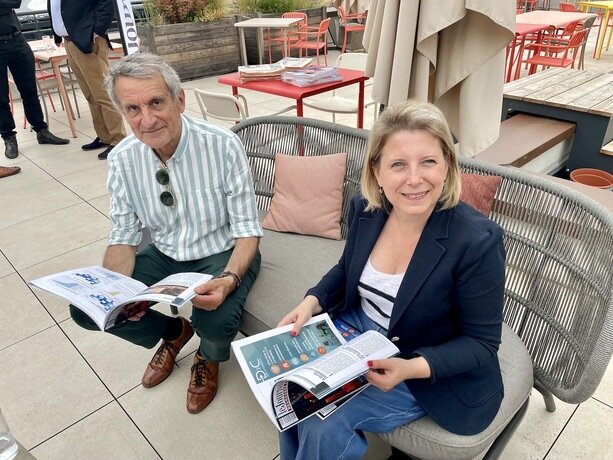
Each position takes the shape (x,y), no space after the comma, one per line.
(293,333)
(369,363)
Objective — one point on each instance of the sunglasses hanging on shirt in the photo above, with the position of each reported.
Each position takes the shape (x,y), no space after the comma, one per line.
(163,178)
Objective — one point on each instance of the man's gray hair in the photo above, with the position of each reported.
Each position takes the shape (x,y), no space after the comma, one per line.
(142,65)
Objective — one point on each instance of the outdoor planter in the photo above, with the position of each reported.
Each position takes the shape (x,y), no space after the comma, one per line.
(194,49)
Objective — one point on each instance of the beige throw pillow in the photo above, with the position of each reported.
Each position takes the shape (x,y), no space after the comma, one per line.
(479,191)
(308,195)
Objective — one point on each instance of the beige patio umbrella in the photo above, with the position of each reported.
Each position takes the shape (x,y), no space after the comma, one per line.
(449,52)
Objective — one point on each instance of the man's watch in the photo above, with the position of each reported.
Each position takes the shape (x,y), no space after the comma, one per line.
(234,276)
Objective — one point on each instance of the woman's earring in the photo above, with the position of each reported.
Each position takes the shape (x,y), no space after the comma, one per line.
(384,201)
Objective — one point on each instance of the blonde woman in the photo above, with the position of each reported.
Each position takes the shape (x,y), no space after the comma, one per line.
(424,269)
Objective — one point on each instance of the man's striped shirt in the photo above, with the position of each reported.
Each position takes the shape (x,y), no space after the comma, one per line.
(210,180)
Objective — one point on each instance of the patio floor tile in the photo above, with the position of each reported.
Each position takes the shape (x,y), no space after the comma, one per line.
(232,427)
(107,433)
(23,315)
(46,386)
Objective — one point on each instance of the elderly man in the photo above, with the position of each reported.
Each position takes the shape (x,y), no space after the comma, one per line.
(189,182)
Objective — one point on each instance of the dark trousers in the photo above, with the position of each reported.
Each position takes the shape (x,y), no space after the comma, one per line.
(16,55)
(216,328)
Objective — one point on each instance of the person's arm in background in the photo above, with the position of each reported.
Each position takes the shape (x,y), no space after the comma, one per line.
(7,6)
(56,38)
(105,12)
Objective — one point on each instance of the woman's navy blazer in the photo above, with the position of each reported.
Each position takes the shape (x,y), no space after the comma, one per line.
(448,308)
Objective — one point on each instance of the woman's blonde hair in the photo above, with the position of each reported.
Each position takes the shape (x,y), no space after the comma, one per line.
(412,115)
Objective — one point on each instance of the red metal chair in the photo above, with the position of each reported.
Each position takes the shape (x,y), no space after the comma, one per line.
(292,33)
(564,33)
(587,24)
(345,22)
(309,39)
(526,5)
(556,55)
(552,36)
(569,8)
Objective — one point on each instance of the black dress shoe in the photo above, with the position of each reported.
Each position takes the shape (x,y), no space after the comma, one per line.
(45,137)
(11,151)
(103,155)
(95,144)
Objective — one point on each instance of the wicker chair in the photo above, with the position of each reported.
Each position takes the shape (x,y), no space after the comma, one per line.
(558,305)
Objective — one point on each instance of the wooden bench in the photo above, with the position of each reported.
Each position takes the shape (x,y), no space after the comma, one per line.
(532,143)
(607,149)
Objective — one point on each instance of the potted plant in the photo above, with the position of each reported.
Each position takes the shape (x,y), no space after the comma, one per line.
(194,36)
(314,9)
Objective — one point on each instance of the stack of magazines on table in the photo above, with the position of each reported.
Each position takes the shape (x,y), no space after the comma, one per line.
(311,76)
(270,71)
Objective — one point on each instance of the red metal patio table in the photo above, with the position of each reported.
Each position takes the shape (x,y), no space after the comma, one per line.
(521,31)
(280,88)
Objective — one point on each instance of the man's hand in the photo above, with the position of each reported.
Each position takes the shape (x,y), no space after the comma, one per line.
(212,294)
(137,316)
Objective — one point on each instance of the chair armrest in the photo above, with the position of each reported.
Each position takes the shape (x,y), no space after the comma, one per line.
(549,47)
(359,16)
(304,34)
(305,28)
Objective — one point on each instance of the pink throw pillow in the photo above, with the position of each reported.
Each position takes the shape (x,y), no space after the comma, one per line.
(308,195)
(478,191)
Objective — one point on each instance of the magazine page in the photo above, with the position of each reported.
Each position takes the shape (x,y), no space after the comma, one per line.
(95,290)
(295,62)
(292,403)
(342,395)
(343,364)
(268,357)
(261,69)
(176,290)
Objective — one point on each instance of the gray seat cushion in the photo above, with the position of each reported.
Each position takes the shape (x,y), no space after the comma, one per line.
(291,264)
(425,439)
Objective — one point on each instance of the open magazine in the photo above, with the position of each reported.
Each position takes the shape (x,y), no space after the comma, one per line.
(110,298)
(313,373)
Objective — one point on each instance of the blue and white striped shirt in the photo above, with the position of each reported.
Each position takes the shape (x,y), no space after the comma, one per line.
(211,183)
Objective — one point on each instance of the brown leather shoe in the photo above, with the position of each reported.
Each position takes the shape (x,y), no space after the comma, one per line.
(203,384)
(163,361)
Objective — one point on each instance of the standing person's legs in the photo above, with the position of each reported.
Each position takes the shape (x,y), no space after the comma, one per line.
(7,123)
(22,67)
(90,70)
